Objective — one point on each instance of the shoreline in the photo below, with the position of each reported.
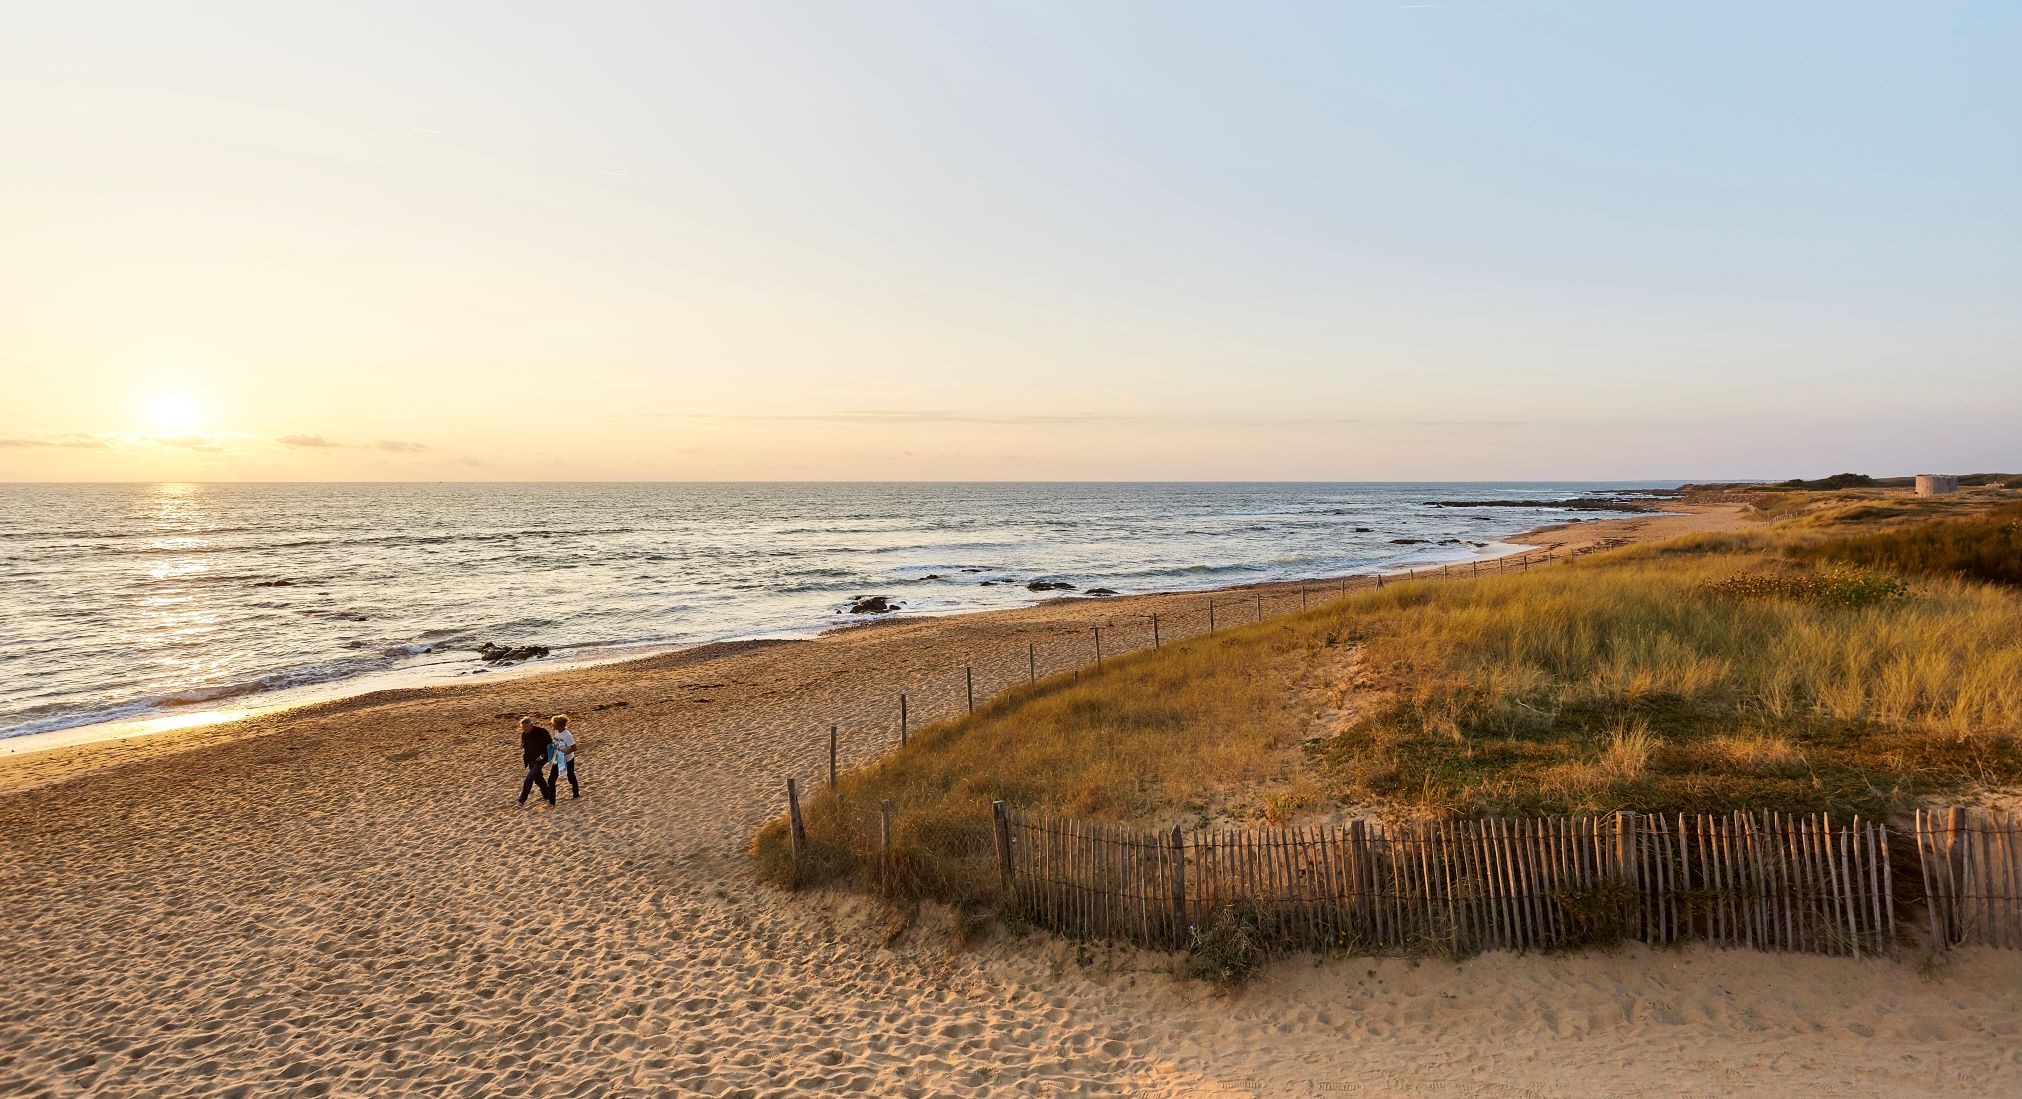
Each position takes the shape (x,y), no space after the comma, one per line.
(407,681)
(349,895)
(205,725)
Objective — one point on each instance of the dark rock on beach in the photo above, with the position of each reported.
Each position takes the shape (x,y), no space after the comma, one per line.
(874,604)
(1573,505)
(1049,585)
(1100,591)
(509,654)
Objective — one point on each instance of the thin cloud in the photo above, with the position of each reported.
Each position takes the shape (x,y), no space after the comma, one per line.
(318,442)
(894,417)
(315,441)
(189,442)
(72,441)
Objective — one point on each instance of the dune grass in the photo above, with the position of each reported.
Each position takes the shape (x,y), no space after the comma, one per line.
(1987,547)
(1743,670)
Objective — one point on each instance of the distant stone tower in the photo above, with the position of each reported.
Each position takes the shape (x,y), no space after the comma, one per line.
(1936,484)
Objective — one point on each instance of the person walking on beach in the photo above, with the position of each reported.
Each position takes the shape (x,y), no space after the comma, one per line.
(534,742)
(562,753)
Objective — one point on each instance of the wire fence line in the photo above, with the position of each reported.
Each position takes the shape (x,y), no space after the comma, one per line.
(960,691)
(1972,873)
(1763,880)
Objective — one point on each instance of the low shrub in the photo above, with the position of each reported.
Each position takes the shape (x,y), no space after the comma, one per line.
(1229,950)
(1833,587)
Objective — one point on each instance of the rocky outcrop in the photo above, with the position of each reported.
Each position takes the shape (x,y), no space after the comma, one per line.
(874,604)
(1049,585)
(1100,591)
(509,654)
(1572,505)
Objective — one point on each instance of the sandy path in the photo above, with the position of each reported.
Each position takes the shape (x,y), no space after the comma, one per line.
(348,901)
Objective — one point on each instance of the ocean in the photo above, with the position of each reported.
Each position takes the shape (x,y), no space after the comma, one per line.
(140,601)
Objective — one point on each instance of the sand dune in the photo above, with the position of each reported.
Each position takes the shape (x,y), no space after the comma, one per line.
(348,901)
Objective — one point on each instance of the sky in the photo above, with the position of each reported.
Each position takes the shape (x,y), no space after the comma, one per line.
(1021,241)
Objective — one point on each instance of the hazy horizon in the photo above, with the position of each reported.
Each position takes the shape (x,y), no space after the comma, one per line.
(1026,243)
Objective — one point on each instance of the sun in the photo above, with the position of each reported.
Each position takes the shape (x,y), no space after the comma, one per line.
(174,414)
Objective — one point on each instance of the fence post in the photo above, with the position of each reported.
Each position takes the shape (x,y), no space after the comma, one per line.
(969,677)
(1098,646)
(1360,880)
(1032,661)
(1003,827)
(1625,861)
(831,757)
(796,833)
(1302,598)
(1526,562)
(885,843)
(1211,618)
(902,720)
(1179,886)
(1260,604)
(1379,581)
(1154,633)
(1957,928)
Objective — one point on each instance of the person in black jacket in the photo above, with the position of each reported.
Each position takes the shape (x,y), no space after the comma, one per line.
(534,741)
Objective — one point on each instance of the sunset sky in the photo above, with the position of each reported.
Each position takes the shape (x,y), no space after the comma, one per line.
(1353,241)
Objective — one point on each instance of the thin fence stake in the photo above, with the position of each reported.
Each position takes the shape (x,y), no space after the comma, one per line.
(902,720)
(1098,646)
(831,757)
(1211,618)
(1003,829)
(796,833)
(969,677)
(1032,662)
(885,842)
(1154,633)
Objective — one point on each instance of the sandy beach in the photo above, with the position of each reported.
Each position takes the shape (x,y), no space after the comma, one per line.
(347,900)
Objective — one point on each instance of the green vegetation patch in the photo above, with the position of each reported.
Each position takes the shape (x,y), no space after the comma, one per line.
(1980,547)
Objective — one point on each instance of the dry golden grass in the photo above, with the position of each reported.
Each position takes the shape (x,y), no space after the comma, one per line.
(1643,678)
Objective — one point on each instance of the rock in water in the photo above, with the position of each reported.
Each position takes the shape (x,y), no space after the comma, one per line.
(509,654)
(1049,585)
(874,604)
(1100,591)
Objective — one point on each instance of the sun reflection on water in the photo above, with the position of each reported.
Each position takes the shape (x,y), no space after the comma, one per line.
(170,609)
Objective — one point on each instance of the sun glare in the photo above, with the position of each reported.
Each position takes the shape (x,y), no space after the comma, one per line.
(174,415)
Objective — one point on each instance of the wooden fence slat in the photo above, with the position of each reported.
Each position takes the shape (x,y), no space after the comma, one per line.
(1768,881)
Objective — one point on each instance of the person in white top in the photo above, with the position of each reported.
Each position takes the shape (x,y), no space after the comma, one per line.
(562,754)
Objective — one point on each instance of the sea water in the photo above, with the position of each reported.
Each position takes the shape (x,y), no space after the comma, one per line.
(131,601)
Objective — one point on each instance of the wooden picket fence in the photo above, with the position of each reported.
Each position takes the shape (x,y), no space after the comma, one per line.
(1972,873)
(1765,880)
